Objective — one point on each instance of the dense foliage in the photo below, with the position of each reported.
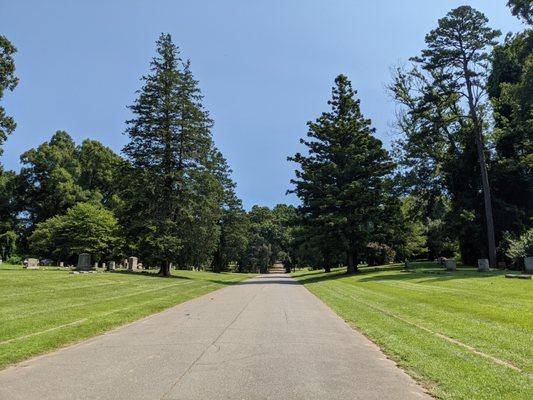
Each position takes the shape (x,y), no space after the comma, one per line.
(84,228)
(457,103)
(343,181)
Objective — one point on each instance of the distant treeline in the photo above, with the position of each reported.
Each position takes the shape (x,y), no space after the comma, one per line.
(457,183)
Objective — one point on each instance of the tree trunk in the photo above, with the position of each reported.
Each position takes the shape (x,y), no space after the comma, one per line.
(217,262)
(484,174)
(327,268)
(487,201)
(351,267)
(164,270)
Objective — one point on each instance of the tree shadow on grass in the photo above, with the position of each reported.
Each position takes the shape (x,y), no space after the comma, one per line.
(431,273)
(434,275)
(149,274)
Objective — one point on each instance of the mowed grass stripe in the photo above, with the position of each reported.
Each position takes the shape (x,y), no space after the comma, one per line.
(437,364)
(437,334)
(98,316)
(450,310)
(31,312)
(49,318)
(427,285)
(452,343)
(466,321)
(54,293)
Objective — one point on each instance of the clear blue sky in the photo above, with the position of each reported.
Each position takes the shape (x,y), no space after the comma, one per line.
(265,68)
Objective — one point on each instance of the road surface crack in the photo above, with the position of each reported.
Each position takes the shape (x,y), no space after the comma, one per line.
(180,377)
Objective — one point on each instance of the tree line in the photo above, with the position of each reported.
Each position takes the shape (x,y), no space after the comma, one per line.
(457,182)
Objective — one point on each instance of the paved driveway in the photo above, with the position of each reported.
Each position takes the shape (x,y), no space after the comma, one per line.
(265,338)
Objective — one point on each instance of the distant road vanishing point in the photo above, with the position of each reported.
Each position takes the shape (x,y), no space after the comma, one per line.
(264,338)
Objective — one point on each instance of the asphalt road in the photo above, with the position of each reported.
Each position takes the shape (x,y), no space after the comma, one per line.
(265,338)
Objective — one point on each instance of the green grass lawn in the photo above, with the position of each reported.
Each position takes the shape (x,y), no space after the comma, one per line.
(464,335)
(41,310)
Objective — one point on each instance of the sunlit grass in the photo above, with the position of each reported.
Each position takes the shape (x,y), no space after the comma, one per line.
(465,335)
(41,310)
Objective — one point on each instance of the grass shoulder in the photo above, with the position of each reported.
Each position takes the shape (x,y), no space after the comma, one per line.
(462,334)
(44,309)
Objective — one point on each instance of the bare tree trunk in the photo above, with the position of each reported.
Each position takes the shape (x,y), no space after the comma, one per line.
(487,201)
(351,267)
(483,167)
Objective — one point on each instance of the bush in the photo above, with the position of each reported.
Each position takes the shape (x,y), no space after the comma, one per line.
(85,228)
(14,259)
(519,248)
(379,254)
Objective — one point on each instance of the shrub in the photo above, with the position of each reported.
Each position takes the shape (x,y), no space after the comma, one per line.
(14,259)
(85,228)
(519,248)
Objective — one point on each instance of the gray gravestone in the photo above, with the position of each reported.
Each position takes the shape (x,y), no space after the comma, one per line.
(104,266)
(111,266)
(84,262)
(482,265)
(450,265)
(132,264)
(33,263)
(61,264)
(528,265)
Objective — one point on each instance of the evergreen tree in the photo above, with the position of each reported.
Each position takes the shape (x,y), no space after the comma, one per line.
(447,114)
(233,223)
(522,9)
(9,224)
(8,81)
(174,196)
(457,54)
(342,181)
(511,93)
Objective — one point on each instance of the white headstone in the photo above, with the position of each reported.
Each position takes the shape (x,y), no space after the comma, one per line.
(61,264)
(132,264)
(32,263)
(483,265)
(111,266)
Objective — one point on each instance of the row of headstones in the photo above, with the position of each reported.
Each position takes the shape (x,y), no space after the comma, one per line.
(84,264)
(484,266)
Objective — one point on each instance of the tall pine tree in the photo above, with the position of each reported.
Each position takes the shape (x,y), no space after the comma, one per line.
(457,56)
(8,81)
(343,180)
(174,197)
